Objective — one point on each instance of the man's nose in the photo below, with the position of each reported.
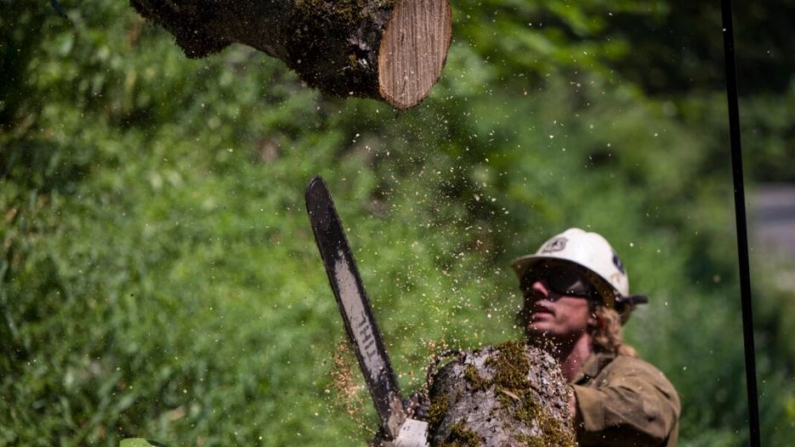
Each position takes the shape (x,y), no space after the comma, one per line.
(537,290)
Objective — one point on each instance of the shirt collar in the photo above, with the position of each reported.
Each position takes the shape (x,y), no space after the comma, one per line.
(592,366)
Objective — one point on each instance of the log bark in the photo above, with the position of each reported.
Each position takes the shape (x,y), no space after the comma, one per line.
(508,395)
(391,50)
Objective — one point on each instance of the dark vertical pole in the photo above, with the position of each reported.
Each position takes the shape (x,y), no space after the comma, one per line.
(742,230)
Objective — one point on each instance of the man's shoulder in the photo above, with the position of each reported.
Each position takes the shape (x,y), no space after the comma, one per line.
(603,363)
(628,366)
(629,362)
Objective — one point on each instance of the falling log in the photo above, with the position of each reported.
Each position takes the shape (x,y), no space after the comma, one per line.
(509,395)
(390,50)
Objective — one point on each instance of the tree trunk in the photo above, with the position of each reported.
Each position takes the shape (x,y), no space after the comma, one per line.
(509,395)
(391,50)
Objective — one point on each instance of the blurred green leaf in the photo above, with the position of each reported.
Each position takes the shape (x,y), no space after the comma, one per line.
(139,442)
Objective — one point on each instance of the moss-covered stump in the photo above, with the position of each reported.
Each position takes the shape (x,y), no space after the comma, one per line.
(508,395)
(391,50)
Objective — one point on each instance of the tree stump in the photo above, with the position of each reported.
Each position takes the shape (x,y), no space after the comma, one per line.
(391,50)
(509,395)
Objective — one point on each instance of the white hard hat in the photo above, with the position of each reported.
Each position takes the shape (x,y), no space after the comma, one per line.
(601,263)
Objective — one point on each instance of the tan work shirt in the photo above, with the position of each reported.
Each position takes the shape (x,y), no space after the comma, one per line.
(625,401)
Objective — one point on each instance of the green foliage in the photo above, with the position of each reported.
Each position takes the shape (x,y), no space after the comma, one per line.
(139,442)
(159,278)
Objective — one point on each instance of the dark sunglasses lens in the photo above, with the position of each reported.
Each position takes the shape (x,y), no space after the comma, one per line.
(569,282)
(563,281)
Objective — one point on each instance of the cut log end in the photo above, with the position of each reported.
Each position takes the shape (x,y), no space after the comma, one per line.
(413,50)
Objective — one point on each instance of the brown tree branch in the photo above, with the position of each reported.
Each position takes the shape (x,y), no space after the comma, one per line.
(391,50)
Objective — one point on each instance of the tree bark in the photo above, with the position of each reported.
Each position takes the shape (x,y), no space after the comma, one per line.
(509,395)
(391,50)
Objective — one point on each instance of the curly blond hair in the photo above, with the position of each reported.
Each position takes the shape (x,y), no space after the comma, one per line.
(607,334)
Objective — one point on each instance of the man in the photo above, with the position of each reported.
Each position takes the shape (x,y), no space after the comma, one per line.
(576,298)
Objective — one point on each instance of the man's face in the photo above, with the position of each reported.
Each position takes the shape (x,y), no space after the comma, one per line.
(556,306)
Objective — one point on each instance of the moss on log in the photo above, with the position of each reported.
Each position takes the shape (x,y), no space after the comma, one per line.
(509,395)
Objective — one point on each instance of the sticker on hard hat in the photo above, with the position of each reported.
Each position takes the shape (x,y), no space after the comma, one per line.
(557,244)
(619,265)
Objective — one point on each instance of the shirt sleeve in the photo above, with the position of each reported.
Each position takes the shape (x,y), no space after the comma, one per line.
(630,403)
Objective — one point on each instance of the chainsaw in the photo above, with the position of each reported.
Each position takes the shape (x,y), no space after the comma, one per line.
(397,428)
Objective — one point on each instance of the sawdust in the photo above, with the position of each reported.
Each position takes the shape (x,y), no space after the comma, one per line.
(344,379)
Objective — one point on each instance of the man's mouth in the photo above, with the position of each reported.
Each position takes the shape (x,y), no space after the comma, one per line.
(540,311)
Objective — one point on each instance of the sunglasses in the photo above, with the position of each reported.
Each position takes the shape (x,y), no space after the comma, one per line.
(562,280)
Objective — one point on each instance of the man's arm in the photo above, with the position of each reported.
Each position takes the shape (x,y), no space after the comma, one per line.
(630,403)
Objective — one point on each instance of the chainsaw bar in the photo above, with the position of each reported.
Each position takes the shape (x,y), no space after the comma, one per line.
(355,307)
